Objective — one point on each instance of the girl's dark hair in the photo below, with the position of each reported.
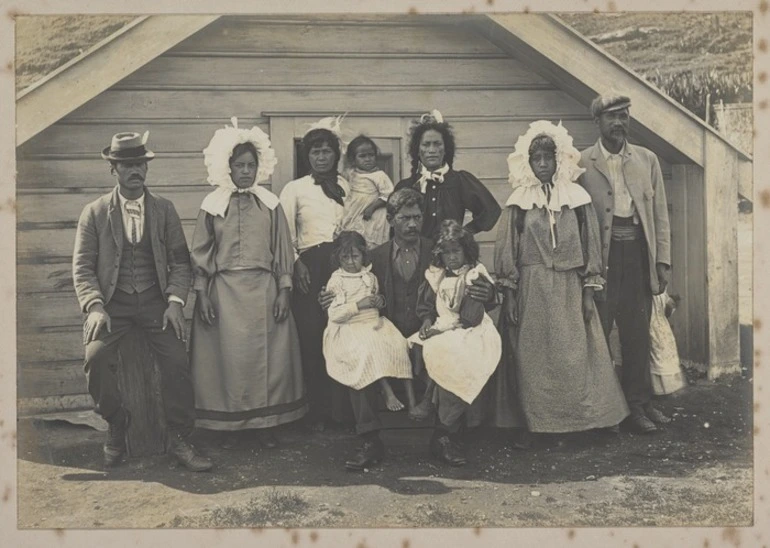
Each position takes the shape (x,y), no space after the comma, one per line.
(350,154)
(345,241)
(414,142)
(319,137)
(542,142)
(452,231)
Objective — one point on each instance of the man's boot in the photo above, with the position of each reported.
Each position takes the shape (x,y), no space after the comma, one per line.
(181,449)
(115,446)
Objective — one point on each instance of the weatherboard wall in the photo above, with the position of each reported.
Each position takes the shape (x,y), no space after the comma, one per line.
(262,71)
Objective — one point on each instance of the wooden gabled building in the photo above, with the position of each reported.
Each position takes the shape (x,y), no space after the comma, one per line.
(181,77)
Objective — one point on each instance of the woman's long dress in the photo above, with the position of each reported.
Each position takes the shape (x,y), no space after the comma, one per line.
(566,381)
(360,346)
(246,367)
(364,189)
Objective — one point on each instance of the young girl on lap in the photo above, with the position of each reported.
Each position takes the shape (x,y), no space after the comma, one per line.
(359,345)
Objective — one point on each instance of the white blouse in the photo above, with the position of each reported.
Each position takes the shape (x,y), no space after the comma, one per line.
(313,217)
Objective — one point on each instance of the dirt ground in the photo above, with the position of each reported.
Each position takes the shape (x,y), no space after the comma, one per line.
(696,471)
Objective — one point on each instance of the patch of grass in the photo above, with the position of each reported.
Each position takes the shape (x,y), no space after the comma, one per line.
(437,515)
(277,509)
(288,503)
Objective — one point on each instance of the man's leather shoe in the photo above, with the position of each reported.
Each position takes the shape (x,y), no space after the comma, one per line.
(115,446)
(186,455)
(371,452)
(640,424)
(445,450)
(656,415)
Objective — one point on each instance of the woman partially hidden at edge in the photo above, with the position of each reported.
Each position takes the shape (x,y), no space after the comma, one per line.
(244,351)
(548,260)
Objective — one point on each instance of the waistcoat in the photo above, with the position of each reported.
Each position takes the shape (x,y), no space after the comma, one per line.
(137,263)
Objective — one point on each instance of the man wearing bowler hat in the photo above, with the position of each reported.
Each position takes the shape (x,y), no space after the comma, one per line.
(131,267)
(627,190)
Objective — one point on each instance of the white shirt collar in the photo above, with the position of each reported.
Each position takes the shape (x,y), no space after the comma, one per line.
(606,153)
(123,200)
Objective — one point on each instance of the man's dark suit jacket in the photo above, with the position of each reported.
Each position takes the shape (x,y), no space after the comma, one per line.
(99,245)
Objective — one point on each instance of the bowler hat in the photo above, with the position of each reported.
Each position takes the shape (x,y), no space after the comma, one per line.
(128,146)
(608,103)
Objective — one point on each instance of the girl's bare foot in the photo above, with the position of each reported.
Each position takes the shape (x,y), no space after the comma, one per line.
(392,402)
(422,410)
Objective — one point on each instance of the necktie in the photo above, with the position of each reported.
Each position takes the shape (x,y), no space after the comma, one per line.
(134,210)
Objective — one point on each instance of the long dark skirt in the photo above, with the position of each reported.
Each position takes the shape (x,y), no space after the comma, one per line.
(502,389)
(327,398)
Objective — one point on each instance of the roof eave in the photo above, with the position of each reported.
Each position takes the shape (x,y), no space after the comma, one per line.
(84,77)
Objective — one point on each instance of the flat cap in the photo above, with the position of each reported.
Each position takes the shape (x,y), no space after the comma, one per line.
(609,103)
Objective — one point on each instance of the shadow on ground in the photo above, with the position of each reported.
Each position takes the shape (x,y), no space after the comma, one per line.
(712,425)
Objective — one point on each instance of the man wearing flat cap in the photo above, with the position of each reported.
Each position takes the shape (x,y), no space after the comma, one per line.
(131,267)
(627,190)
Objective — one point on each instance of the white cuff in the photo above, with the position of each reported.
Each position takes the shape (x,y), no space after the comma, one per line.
(175,299)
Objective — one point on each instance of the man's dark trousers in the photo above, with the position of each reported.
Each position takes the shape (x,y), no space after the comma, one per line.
(628,304)
(144,310)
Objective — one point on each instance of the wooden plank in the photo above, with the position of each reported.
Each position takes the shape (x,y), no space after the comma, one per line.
(279,72)
(697,353)
(95,173)
(504,133)
(36,311)
(140,389)
(721,188)
(213,104)
(66,207)
(83,78)
(165,136)
(676,193)
(53,404)
(232,33)
(746,178)
(62,345)
(44,277)
(45,243)
(58,378)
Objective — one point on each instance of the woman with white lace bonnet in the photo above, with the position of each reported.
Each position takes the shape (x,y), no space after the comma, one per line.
(245,351)
(548,262)
(314,206)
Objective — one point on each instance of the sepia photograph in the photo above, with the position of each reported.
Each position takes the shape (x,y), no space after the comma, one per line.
(378,269)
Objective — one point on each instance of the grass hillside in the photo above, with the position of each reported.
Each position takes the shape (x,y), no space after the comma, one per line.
(46,42)
(657,45)
(672,43)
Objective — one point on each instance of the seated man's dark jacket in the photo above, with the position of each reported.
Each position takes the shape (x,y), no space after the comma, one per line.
(382,267)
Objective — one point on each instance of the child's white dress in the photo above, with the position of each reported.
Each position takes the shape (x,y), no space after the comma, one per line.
(459,360)
(665,369)
(365,188)
(360,346)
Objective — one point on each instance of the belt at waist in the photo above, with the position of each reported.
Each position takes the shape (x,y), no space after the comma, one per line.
(625,232)
(624,221)
(624,228)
